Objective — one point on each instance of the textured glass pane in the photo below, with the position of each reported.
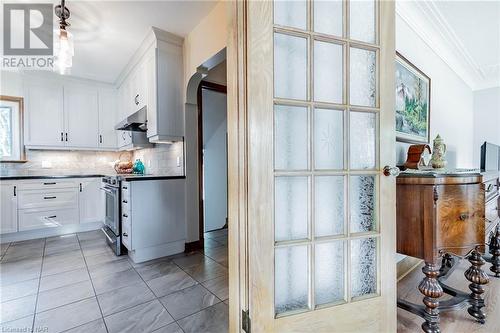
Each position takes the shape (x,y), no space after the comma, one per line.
(291,279)
(362,195)
(362,19)
(328,205)
(363,77)
(5,131)
(291,140)
(363,267)
(291,13)
(329,272)
(291,208)
(328,17)
(290,66)
(363,140)
(328,72)
(328,139)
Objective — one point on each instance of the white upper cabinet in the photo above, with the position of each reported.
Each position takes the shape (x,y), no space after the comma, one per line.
(107,118)
(44,116)
(64,113)
(154,79)
(81,111)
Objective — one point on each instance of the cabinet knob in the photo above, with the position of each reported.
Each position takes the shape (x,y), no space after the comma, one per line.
(125,215)
(391,171)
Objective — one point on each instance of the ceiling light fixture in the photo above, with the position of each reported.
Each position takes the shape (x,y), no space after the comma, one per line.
(64,50)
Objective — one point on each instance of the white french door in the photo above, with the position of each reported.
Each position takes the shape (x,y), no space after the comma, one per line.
(320,120)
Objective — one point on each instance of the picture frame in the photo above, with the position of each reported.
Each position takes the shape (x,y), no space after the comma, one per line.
(413,102)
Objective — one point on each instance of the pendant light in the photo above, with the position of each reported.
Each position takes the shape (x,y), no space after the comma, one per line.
(64,50)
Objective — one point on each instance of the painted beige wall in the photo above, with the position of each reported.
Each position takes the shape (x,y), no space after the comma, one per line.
(205,40)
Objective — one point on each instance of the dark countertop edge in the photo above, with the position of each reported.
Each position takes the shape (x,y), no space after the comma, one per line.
(139,178)
(20,177)
(439,175)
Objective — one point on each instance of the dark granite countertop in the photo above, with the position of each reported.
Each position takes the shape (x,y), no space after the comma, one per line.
(130,178)
(20,176)
(26,174)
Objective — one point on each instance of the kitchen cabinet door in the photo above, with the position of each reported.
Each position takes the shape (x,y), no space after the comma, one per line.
(140,86)
(8,207)
(81,117)
(107,119)
(91,200)
(44,114)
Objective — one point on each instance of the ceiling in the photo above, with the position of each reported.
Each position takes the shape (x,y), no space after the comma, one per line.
(107,33)
(465,34)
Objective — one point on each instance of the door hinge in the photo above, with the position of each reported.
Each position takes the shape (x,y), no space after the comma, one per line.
(245,321)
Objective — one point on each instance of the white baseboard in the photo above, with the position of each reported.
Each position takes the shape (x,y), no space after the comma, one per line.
(49,232)
(154,252)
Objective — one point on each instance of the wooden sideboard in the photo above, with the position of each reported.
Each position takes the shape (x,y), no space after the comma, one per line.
(441,217)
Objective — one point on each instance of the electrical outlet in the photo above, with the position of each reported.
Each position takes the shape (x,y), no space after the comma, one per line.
(178,161)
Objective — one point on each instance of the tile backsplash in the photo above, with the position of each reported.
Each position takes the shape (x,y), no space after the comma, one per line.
(163,159)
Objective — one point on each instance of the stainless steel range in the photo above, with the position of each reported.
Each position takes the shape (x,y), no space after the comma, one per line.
(112,222)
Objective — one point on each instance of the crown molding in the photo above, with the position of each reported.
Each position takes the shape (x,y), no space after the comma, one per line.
(432,27)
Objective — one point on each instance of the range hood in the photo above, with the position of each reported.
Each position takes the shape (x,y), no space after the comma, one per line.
(136,122)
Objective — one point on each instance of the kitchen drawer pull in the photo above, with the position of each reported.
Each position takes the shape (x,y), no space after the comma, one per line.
(51,217)
(15,191)
(125,201)
(136,99)
(124,187)
(48,198)
(62,136)
(49,183)
(125,215)
(66,137)
(464,216)
(125,234)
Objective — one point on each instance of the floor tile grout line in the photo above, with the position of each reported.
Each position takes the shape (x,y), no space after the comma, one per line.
(39,282)
(92,283)
(5,252)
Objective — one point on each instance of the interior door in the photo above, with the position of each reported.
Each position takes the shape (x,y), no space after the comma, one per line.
(321,215)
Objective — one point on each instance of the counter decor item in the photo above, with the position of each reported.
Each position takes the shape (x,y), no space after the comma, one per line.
(413,91)
(138,167)
(418,157)
(438,160)
(124,164)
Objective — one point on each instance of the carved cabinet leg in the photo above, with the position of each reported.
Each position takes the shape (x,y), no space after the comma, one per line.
(478,278)
(432,290)
(495,252)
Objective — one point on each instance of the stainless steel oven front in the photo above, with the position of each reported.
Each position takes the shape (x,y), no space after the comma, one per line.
(112,215)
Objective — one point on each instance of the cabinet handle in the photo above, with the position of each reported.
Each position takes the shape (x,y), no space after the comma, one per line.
(125,215)
(48,198)
(62,136)
(100,138)
(49,183)
(125,201)
(51,217)
(66,137)
(125,234)
(80,187)
(15,190)
(136,99)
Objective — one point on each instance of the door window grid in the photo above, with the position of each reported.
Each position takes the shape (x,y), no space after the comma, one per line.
(346,238)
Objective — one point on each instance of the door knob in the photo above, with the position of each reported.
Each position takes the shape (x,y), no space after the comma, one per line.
(391,171)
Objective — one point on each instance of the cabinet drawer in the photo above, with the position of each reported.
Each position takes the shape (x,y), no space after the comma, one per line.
(36,219)
(47,199)
(46,184)
(126,207)
(126,233)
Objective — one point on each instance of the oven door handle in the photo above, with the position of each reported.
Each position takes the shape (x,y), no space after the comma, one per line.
(107,236)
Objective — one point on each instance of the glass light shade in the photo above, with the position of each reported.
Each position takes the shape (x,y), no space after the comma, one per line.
(64,51)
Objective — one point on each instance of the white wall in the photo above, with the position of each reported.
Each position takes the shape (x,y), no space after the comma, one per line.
(486,119)
(451,104)
(214,159)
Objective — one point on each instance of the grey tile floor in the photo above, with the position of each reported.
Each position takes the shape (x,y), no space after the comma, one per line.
(74,283)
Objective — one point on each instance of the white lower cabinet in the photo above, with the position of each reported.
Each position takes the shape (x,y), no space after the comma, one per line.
(30,219)
(91,200)
(8,207)
(47,203)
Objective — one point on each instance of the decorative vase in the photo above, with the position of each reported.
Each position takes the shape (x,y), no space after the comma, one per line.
(438,160)
(138,167)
